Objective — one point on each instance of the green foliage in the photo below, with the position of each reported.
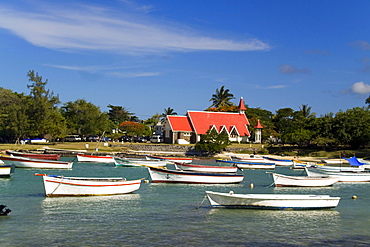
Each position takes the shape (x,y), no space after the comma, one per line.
(118,114)
(84,118)
(222,98)
(213,142)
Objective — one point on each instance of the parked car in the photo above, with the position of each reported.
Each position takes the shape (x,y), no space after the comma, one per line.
(140,139)
(93,138)
(105,139)
(125,139)
(156,139)
(72,138)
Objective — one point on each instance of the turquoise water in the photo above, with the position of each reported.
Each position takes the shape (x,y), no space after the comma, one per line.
(167,214)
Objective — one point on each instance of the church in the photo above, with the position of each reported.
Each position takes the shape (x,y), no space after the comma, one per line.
(189,128)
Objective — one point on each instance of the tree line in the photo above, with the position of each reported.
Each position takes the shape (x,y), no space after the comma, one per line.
(40,114)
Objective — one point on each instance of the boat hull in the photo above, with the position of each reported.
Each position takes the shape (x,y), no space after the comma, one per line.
(159,175)
(250,165)
(140,162)
(280,162)
(343,176)
(22,162)
(56,186)
(6,170)
(95,158)
(35,156)
(211,169)
(172,160)
(281,180)
(271,201)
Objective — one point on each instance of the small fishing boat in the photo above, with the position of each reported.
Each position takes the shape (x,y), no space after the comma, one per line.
(250,158)
(4,210)
(271,201)
(34,155)
(206,168)
(280,162)
(171,160)
(159,175)
(55,185)
(139,162)
(344,176)
(23,162)
(281,180)
(95,158)
(250,165)
(6,170)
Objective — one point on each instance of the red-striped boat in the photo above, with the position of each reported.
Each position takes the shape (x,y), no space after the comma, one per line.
(34,155)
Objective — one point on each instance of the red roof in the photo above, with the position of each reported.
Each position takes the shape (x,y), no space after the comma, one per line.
(201,121)
(258,126)
(241,104)
(179,123)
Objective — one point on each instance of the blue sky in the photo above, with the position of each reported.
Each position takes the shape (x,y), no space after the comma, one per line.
(150,55)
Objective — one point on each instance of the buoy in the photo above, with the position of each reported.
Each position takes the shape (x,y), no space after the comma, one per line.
(354,197)
(146,181)
(251,185)
(231,192)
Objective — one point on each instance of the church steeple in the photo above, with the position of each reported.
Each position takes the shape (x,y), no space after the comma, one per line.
(241,107)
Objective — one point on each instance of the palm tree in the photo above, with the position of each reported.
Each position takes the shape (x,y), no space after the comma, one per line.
(306,111)
(168,111)
(367,101)
(221,98)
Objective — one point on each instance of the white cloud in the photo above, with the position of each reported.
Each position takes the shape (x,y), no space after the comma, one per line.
(361,88)
(94,28)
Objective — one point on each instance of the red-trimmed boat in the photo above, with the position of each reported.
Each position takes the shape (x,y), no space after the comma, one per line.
(205,168)
(34,155)
(171,159)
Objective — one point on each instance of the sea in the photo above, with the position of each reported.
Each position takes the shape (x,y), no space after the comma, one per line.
(161,214)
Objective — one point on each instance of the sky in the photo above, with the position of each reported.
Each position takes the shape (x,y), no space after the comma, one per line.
(147,56)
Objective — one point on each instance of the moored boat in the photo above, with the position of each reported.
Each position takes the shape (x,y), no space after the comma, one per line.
(281,180)
(139,162)
(171,160)
(4,210)
(206,168)
(271,201)
(95,158)
(280,162)
(344,176)
(6,170)
(34,155)
(23,162)
(159,175)
(55,185)
(250,165)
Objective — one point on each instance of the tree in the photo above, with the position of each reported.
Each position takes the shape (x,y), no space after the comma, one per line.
(84,118)
(168,111)
(367,101)
(42,109)
(221,98)
(118,114)
(305,111)
(134,129)
(213,142)
(352,127)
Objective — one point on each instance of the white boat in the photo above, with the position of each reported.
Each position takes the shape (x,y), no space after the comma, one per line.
(341,168)
(23,162)
(281,180)
(139,162)
(346,176)
(95,158)
(206,168)
(250,158)
(6,170)
(250,165)
(271,201)
(159,175)
(280,162)
(171,160)
(333,161)
(79,186)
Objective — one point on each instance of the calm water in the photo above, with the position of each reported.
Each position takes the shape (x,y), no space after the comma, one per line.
(167,214)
